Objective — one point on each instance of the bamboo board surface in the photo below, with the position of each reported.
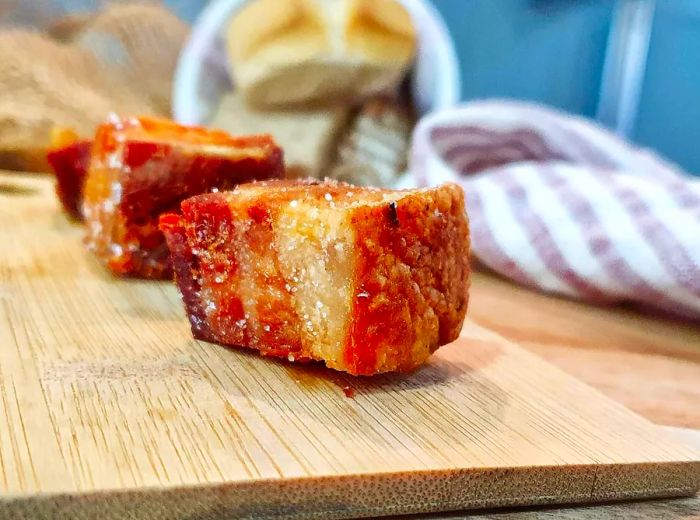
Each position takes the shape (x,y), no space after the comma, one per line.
(649,363)
(108,407)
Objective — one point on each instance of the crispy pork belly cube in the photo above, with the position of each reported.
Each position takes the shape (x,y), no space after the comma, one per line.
(69,158)
(364,279)
(143,167)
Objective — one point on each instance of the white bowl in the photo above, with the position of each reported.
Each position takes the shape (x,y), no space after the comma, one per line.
(202,75)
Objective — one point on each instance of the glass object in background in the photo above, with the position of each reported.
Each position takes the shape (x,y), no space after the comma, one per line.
(669,109)
(625,64)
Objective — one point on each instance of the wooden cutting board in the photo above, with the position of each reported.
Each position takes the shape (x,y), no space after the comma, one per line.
(647,362)
(108,407)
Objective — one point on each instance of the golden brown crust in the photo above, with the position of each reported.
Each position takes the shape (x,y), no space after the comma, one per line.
(332,52)
(380,283)
(412,271)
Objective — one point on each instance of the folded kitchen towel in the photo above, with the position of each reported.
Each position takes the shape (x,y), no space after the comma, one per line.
(558,203)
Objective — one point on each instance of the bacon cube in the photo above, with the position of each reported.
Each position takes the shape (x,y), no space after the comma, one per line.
(364,279)
(143,167)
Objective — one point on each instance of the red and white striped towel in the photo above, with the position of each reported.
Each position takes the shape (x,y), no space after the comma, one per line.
(558,203)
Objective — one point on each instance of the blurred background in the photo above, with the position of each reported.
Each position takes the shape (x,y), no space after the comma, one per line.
(630,64)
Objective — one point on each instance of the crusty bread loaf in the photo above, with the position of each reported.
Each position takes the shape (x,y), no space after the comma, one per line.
(319,51)
(140,42)
(119,60)
(363,279)
(44,84)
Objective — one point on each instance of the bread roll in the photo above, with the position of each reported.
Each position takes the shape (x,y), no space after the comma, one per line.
(287,52)
(307,136)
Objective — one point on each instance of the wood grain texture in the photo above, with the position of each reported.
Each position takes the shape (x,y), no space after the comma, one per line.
(108,408)
(677,509)
(648,363)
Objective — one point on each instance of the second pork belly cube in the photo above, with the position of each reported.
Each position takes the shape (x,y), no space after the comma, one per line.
(365,280)
(142,167)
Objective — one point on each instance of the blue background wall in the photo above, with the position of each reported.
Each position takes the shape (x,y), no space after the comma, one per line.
(553,51)
(550,51)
